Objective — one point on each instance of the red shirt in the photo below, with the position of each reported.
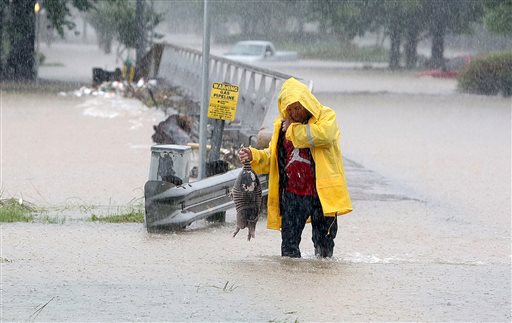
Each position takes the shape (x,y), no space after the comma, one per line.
(299,170)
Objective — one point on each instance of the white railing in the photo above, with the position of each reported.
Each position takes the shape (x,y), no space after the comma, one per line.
(259,87)
(169,206)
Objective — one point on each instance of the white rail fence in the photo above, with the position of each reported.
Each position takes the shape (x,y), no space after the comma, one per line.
(259,87)
(169,206)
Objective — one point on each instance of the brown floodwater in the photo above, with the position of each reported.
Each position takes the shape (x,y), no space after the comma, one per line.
(429,238)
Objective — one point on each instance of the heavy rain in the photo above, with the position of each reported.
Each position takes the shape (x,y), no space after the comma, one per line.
(101,116)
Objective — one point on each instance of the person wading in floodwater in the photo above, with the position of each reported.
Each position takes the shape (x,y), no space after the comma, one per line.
(306,176)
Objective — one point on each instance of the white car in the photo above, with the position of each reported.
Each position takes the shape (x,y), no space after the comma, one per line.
(250,51)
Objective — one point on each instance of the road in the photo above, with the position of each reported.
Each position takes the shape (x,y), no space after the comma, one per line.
(429,171)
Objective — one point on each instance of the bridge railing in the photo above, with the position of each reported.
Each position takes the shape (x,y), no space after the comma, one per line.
(258,87)
(172,206)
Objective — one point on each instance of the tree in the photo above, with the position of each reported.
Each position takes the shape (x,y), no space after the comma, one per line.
(58,11)
(3,5)
(19,31)
(255,18)
(116,20)
(415,24)
(498,16)
(20,36)
(398,18)
(449,16)
(346,19)
(413,19)
(391,16)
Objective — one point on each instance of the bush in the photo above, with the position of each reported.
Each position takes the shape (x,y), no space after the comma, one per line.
(490,75)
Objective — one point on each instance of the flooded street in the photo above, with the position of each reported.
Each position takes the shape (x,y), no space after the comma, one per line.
(429,171)
(98,272)
(62,151)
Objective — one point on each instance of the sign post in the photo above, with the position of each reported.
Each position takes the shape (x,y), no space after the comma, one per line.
(223,101)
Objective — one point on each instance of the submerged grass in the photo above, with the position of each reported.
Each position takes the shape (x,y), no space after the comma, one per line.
(12,210)
(130,216)
(19,210)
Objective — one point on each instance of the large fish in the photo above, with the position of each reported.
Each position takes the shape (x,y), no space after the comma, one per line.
(246,194)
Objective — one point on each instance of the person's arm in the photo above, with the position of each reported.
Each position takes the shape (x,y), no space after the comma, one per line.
(260,159)
(319,134)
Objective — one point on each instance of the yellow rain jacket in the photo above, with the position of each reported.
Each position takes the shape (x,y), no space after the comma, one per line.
(321,135)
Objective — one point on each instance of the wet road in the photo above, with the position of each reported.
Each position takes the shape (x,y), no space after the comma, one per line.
(429,238)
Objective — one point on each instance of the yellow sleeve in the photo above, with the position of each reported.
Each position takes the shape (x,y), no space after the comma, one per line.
(260,160)
(320,133)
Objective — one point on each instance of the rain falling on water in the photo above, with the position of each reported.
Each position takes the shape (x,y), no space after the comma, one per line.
(428,168)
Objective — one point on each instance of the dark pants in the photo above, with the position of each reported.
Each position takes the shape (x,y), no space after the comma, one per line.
(295,212)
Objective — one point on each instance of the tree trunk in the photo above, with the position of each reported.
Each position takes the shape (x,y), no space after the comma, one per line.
(139,20)
(20,63)
(437,56)
(394,54)
(300,25)
(2,20)
(438,31)
(411,45)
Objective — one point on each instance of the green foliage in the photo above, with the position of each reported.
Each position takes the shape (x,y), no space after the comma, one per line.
(346,19)
(115,19)
(490,75)
(58,12)
(456,15)
(498,16)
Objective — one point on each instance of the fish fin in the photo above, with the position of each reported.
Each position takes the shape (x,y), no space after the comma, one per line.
(236,231)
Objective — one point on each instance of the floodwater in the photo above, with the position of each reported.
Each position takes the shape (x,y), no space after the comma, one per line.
(60,150)
(429,238)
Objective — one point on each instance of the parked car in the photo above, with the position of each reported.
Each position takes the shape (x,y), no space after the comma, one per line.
(452,68)
(249,51)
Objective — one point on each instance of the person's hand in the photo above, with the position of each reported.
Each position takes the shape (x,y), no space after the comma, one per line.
(245,154)
(285,124)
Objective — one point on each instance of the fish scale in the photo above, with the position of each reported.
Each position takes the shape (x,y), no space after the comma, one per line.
(246,194)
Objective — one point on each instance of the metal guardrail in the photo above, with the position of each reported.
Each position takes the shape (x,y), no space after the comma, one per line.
(169,206)
(173,207)
(258,87)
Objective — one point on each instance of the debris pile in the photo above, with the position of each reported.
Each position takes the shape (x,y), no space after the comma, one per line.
(140,90)
(177,129)
(181,127)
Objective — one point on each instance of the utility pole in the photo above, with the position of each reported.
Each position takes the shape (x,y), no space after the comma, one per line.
(203,121)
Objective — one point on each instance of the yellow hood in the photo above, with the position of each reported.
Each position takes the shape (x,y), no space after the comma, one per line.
(295,91)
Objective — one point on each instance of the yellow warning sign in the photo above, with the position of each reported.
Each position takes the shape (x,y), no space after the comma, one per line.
(223,100)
